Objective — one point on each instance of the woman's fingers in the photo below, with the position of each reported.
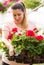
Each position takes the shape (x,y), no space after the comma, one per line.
(11,51)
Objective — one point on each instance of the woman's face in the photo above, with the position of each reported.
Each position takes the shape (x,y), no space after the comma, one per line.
(18,15)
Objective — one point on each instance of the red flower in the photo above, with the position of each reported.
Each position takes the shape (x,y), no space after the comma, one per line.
(14,30)
(10,36)
(30,33)
(40,37)
(34,29)
(19,34)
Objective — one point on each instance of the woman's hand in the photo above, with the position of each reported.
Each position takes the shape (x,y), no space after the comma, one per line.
(9,46)
(11,51)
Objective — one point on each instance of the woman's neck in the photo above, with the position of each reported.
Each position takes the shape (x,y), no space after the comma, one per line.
(18,25)
(22,26)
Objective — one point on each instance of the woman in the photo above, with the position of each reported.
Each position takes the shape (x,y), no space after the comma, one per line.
(21,22)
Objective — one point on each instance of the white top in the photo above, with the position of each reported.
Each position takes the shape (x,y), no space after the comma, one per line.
(7,28)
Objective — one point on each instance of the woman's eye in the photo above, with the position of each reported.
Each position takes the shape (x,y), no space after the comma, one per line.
(19,14)
(14,15)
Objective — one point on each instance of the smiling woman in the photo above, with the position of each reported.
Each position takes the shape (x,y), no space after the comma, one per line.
(22,23)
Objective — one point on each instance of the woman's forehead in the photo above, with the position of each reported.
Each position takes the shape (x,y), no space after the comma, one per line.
(17,11)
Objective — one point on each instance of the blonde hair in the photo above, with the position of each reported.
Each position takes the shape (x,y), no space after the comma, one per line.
(24,23)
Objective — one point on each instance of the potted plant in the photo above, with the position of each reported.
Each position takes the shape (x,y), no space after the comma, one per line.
(27,45)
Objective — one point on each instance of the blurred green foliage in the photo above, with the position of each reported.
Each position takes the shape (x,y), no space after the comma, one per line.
(32,3)
(2,8)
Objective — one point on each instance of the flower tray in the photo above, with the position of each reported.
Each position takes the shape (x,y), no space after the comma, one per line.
(27,60)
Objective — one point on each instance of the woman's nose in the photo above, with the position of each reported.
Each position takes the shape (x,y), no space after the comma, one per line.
(17,17)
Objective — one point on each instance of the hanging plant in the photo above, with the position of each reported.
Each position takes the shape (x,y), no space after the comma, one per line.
(27,45)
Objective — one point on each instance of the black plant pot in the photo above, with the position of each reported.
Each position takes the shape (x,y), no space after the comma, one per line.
(27,60)
(19,59)
(11,58)
(42,59)
(23,59)
(37,59)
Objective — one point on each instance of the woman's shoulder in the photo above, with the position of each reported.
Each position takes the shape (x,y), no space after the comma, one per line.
(9,25)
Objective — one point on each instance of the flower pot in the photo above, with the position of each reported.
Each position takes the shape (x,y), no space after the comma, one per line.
(37,59)
(19,59)
(11,58)
(27,60)
(42,59)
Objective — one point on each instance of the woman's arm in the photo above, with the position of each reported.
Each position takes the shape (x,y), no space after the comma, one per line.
(5,32)
(7,43)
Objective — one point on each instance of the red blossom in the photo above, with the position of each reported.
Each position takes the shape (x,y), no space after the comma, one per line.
(19,34)
(10,36)
(30,33)
(14,30)
(39,37)
(34,29)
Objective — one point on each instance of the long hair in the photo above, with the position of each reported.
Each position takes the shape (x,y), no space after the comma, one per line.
(20,5)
